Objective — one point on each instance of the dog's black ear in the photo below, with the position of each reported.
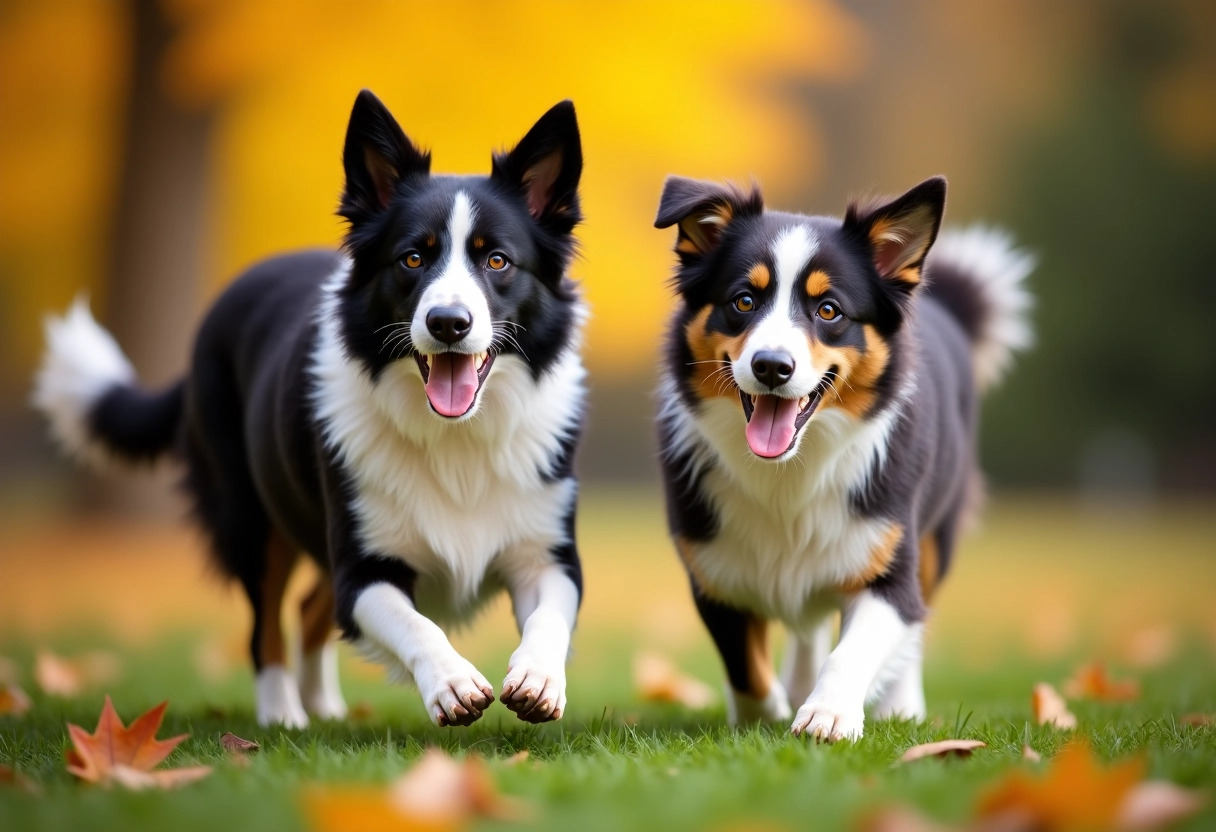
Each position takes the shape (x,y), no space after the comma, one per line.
(377,157)
(703,210)
(899,233)
(545,166)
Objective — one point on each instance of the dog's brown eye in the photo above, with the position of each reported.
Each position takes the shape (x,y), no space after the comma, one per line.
(412,260)
(497,261)
(829,311)
(744,303)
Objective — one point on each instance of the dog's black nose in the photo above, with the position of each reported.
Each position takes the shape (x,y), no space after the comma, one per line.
(449,323)
(772,369)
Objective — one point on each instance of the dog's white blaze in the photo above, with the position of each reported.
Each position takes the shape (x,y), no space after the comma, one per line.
(788,534)
(465,505)
(81,364)
(455,287)
(792,250)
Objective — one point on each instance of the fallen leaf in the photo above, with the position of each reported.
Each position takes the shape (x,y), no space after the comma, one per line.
(518,757)
(898,819)
(1050,708)
(942,748)
(116,753)
(1031,755)
(1198,720)
(13,700)
(1157,804)
(237,745)
(59,676)
(56,676)
(439,793)
(658,680)
(167,778)
(361,711)
(9,777)
(1074,793)
(1151,647)
(1091,682)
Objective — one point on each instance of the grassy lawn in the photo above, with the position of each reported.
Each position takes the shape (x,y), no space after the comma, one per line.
(1042,587)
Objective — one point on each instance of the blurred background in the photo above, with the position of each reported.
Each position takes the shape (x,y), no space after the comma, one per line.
(151,149)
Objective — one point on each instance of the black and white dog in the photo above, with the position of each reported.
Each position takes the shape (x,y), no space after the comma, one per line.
(405,412)
(817,427)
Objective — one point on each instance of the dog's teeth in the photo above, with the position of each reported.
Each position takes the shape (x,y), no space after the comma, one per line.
(803,402)
(481,359)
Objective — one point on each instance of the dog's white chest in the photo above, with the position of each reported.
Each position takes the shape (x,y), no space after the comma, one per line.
(788,537)
(469,506)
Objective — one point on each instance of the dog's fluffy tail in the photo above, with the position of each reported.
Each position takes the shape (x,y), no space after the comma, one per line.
(87,389)
(979,275)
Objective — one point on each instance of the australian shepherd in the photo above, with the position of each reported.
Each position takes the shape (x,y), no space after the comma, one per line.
(817,428)
(405,412)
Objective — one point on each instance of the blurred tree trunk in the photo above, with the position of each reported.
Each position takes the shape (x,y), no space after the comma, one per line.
(158,241)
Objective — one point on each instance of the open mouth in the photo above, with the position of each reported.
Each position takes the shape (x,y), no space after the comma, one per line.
(453,379)
(773,422)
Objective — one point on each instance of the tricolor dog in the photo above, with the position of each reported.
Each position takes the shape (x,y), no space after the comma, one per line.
(405,412)
(817,428)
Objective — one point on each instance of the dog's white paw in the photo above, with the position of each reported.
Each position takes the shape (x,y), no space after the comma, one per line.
(535,690)
(278,699)
(829,721)
(454,692)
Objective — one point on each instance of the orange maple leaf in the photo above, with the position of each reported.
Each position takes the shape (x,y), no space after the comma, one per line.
(1092,682)
(1076,793)
(13,700)
(116,753)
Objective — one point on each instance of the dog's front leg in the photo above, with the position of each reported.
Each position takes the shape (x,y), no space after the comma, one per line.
(452,690)
(871,633)
(545,607)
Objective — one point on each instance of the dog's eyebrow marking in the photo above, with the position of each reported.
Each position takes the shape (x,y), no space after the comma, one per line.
(479,242)
(759,276)
(818,283)
(430,240)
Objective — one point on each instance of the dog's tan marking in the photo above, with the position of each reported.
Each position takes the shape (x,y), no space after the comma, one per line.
(760,276)
(857,372)
(699,232)
(280,559)
(818,283)
(684,548)
(881,558)
(431,240)
(759,660)
(711,379)
(930,567)
(317,614)
(479,243)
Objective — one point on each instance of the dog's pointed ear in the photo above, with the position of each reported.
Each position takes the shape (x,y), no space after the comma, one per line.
(377,157)
(899,233)
(703,210)
(545,167)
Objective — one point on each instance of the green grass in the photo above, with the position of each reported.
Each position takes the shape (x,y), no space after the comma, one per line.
(613,763)
(1042,587)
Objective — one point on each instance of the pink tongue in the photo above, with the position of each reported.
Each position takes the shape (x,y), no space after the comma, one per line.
(771,429)
(452,384)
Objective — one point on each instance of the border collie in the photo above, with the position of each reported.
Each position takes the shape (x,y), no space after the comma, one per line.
(406,413)
(817,430)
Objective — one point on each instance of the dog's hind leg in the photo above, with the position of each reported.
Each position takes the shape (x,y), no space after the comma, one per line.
(753,690)
(804,657)
(320,690)
(278,695)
